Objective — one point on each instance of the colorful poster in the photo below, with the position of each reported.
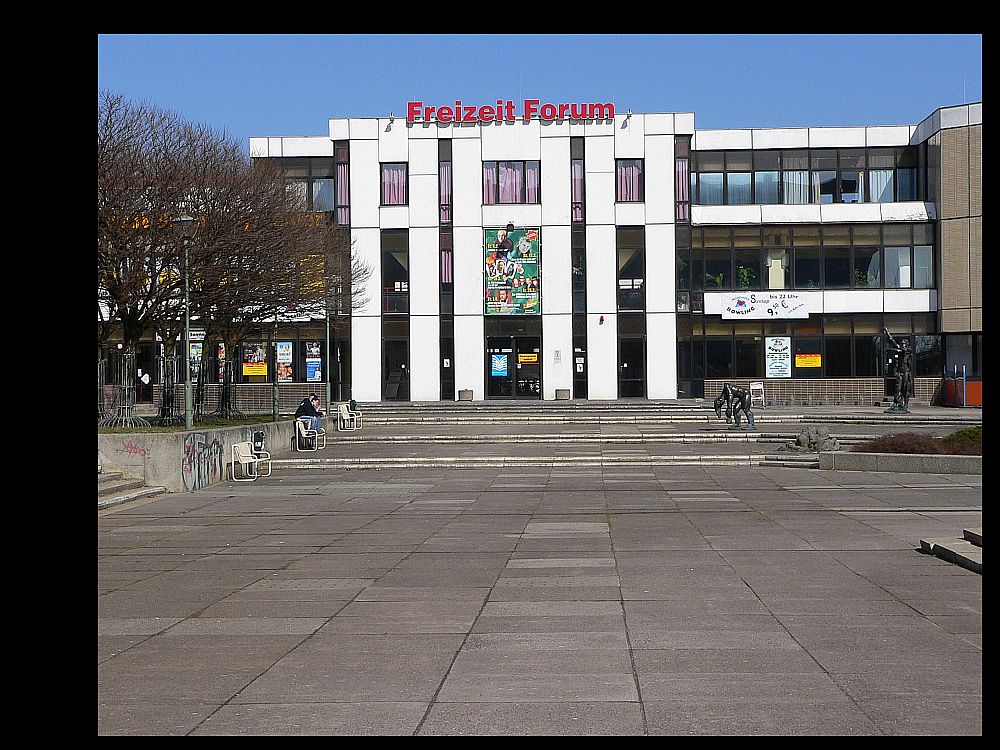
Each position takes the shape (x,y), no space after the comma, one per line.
(512,263)
(777,356)
(498,365)
(255,359)
(808,360)
(221,359)
(196,351)
(314,366)
(283,357)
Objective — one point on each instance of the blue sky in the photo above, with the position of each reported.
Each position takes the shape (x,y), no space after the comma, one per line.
(257,85)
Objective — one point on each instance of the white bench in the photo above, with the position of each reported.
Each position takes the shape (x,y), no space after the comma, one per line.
(347,420)
(249,462)
(306,436)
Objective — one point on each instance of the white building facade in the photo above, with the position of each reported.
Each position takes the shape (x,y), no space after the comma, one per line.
(645,234)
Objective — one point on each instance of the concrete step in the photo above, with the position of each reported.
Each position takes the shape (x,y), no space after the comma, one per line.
(103,477)
(791,462)
(476,462)
(733,436)
(957,551)
(128,495)
(116,485)
(975,536)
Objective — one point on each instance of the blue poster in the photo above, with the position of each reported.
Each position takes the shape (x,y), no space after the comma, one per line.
(498,364)
(314,373)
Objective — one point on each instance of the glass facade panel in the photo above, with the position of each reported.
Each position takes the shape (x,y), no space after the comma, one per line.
(718,358)
(747,268)
(750,357)
(837,267)
(837,361)
(867,356)
(807,268)
(897,267)
(881,185)
(765,186)
(907,185)
(795,187)
(825,186)
(718,274)
(710,188)
(739,188)
(852,186)
(923,267)
(778,268)
(323,195)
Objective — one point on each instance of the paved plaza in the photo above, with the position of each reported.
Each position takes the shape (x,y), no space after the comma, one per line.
(559,600)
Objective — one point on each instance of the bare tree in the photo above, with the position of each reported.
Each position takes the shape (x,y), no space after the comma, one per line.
(257,249)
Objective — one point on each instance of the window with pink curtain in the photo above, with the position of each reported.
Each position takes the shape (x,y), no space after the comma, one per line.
(444,186)
(682,184)
(489,182)
(343,203)
(532,182)
(394,184)
(629,182)
(510,181)
(576,188)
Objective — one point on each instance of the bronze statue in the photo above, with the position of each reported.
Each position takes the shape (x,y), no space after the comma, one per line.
(904,374)
(736,400)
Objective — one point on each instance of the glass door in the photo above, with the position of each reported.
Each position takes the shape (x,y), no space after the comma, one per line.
(632,368)
(529,367)
(500,369)
(396,386)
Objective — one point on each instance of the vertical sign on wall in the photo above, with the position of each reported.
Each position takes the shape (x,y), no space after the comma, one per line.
(283,356)
(314,365)
(777,357)
(512,263)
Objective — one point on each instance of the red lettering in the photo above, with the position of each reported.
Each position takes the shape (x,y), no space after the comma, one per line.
(486,113)
(445,114)
(429,113)
(470,114)
(579,113)
(413,110)
(563,109)
(603,111)
(530,108)
(548,112)
(509,110)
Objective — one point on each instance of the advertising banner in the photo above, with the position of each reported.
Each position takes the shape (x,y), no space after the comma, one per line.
(255,359)
(512,262)
(314,364)
(777,357)
(283,356)
(196,351)
(764,305)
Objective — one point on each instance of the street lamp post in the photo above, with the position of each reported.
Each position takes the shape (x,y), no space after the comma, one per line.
(186,226)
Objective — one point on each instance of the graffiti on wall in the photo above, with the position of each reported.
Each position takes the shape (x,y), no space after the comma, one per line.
(133,449)
(202,463)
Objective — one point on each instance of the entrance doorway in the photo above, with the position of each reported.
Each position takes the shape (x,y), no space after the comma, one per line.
(632,368)
(513,367)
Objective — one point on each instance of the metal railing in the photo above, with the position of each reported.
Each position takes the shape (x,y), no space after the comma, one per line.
(118,392)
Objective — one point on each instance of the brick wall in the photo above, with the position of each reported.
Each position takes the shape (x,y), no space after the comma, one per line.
(831,391)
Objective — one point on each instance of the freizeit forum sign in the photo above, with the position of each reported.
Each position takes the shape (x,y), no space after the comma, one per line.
(505,111)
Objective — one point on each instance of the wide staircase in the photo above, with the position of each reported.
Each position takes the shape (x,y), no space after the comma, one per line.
(114,487)
(587,433)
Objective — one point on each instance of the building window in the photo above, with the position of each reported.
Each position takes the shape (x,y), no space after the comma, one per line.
(631,268)
(444,186)
(394,184)
(395,271)
(511,182)
(897,268)
(343,207)
(682,179)
(923,267)
(629,181)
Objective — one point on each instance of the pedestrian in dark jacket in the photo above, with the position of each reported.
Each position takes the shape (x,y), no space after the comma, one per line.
(309,408)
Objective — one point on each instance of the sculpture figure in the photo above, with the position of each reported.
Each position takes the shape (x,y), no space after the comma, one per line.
(904,374)
(736,400)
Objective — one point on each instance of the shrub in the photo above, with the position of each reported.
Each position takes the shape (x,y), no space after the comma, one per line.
(968,442)
(904,442)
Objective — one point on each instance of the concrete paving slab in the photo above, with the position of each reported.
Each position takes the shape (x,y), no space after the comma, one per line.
(535,719)
(538,688)
(311,719)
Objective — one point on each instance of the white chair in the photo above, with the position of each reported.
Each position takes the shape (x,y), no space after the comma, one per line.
(347,420)
(306,437)
(249,462)
(757,394)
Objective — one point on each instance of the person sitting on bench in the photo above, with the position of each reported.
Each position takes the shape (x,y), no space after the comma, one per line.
(309,408)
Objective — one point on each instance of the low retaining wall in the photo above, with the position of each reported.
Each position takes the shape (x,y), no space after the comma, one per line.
(830,391)
(902,463)
(187,461)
